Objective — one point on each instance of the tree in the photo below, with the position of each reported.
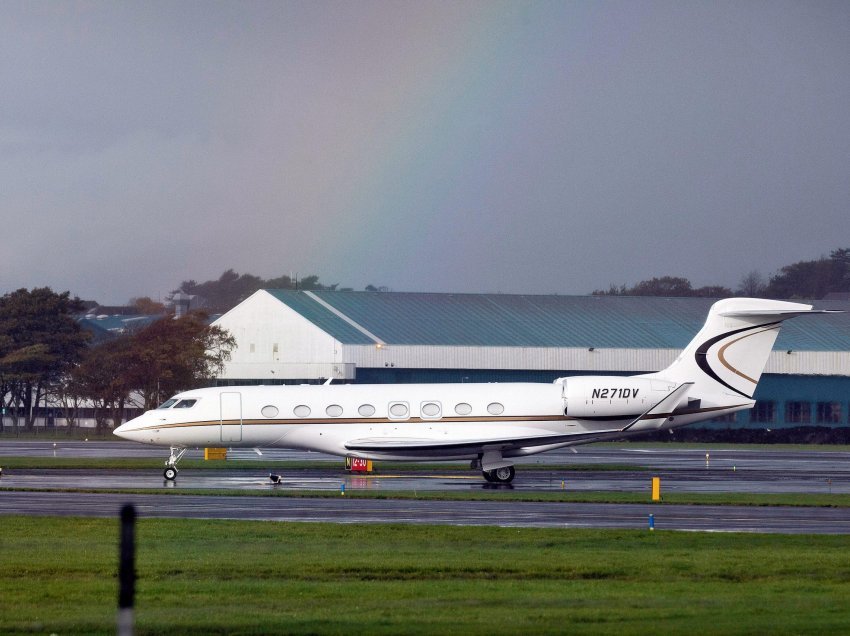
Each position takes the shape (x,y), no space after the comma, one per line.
(712,291)
(103,377)
(228,291)
(812,279)
(752,285)
(232,288)
(40,342)
(173,355)
(147,306)
(667,286)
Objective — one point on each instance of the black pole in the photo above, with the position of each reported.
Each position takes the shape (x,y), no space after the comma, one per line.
(127,570)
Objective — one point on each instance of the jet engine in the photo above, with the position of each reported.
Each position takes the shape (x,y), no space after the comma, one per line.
(611,396)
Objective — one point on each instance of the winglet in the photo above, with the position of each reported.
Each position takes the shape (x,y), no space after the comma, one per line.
(667,404)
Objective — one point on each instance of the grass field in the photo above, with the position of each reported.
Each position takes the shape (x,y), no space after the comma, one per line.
(206,577)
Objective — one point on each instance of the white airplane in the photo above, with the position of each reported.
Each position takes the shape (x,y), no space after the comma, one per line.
(490,424)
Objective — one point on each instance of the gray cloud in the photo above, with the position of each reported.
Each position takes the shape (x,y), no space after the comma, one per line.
(517,147)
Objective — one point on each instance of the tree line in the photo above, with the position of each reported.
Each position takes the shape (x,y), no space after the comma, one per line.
(232,288)
(805,279)
(47,358)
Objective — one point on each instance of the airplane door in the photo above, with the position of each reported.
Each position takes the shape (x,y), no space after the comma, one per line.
(231,416)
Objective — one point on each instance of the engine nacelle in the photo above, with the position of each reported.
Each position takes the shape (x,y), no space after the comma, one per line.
(612,396)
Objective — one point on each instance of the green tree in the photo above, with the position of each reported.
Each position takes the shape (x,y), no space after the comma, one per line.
(668,286)
(173,355)
(103,377)
(232,288)
(40,342)
(812,279)
(147,306)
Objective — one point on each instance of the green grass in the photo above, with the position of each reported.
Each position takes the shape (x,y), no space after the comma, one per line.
(206,577)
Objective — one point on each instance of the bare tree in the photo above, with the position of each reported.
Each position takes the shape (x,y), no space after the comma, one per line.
(752,285)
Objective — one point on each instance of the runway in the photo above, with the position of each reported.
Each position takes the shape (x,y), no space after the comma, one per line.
(681,470)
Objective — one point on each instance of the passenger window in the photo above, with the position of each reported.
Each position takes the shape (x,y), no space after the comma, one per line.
(334,410)
(366,410)
(185,404)
(430,409)
(494,408)
(269,411)
(302,411)
(398,410)
(463,409)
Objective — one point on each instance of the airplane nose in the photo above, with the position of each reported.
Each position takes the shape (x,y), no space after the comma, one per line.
(128,430)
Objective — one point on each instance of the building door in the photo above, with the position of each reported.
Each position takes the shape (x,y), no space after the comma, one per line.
(231,416)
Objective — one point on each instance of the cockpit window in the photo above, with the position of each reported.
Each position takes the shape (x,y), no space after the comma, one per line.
(185,404)
(167,404)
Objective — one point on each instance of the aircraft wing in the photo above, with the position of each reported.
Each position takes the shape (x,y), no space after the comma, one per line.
(421,446)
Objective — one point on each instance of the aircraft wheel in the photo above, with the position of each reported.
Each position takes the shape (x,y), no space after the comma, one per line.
(504,475)
(488,475)
(170,473)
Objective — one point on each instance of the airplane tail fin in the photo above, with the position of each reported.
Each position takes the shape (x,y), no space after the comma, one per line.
(729,353)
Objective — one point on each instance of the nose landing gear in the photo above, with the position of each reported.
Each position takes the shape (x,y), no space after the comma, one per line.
(170,472)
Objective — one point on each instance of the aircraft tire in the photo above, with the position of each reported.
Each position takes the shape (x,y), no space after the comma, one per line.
(504,475)
(488,475)
(170,473)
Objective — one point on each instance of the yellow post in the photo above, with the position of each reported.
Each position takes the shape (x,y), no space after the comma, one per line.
(656,488)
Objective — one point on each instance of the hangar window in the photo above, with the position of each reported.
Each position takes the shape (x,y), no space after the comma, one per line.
(494,408)
(430,409)
(168,404)
(399,410)
(269,411)
(185,404)
(463,408)
(366,410)
(798,412)
(729,418)
(302,411)
(764,412)
(829,412)
(334,410)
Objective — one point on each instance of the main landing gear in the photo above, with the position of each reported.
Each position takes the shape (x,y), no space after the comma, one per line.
(503,475)
(170,472)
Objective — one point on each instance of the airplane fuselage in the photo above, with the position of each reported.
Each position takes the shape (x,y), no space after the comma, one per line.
(332,419)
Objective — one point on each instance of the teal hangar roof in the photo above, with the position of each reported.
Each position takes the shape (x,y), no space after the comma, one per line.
(512,320)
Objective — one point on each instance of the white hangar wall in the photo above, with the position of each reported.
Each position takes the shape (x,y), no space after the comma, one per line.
(274,342)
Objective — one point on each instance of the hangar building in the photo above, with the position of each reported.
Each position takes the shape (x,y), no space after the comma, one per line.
(295,337)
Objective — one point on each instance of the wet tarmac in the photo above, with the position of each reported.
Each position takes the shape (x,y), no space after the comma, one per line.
(680,469)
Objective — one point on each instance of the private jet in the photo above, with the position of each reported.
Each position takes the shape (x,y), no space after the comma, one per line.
(491,425)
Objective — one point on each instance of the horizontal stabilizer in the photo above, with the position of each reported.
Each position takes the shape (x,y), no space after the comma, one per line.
(780,314)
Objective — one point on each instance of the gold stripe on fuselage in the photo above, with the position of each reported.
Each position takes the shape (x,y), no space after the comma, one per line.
(418,420)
